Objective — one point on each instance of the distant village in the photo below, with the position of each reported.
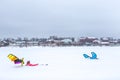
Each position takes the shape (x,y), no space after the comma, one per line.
(59,41)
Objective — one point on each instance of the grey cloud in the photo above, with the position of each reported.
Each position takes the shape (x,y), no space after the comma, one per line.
(59,17)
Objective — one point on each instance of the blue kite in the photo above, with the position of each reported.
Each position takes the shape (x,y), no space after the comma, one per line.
(94,56)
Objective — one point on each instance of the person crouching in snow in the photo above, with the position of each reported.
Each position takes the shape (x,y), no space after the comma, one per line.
(28,63)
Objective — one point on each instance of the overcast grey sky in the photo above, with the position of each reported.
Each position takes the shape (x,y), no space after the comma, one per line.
(43,18)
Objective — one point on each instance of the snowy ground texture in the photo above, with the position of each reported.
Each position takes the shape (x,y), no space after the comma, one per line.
(64,63)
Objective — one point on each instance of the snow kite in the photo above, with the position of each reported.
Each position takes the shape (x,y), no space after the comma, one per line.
(29,64)
(94,56)
(15,59)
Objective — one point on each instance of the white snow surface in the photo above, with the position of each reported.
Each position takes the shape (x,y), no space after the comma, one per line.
(64,63)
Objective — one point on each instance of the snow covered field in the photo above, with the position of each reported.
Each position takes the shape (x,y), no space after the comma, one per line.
(64,63)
